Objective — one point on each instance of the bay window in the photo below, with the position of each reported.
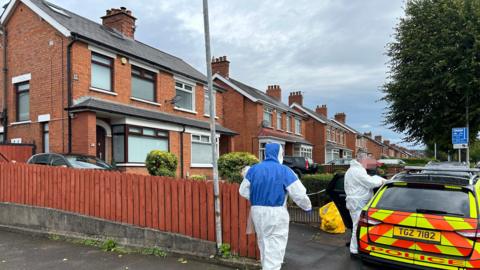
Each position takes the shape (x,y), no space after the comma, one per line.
(303,151)
(143,84)
(131,144)
(201,151)
(23,101)
(268,117)
(102,72)
(187,96)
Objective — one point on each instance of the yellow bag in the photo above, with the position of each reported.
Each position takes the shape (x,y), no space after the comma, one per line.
(331,220)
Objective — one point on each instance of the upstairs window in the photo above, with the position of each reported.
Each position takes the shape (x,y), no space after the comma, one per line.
(298,126)
(23,101)
(289,125)
(102,72)
(268,117)
(185,92)
(143,84)
(329,134)
(279,120)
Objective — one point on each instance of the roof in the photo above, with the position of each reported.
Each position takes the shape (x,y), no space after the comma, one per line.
(270,133)
(98,105)
(254,94)
(345,126)
(113,40)
(335,145)
(317,116)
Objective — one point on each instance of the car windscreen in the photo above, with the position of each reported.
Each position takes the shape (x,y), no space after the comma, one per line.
(82,162)
(426,200)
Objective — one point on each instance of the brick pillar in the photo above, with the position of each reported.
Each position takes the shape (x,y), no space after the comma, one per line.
(84,133)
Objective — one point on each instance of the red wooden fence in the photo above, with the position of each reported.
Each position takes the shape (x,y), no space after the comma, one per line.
(177,206)
(16,152)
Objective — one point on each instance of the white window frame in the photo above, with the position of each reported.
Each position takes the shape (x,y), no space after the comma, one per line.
(269,111)
(299,127)
(303,151)
(191,84)
(289,124)
(279,121)
(192,141)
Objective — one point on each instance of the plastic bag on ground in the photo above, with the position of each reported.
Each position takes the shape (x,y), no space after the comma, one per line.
(331,220)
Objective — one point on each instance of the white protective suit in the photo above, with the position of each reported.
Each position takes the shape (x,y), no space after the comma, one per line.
(359,190)
(267,186)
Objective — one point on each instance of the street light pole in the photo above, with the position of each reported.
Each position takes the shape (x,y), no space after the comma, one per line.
(216,188)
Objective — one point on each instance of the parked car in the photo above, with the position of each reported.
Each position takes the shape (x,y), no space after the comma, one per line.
(423,218)
(70,161)
(340,161)
(300,165)
(391,161)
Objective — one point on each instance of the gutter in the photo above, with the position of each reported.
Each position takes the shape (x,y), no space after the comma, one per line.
(5,85)
(69,88)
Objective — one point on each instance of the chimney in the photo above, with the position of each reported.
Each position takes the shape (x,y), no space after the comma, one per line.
(274,91)
(121,20)
(221,66)
(295,97)
(341,117)
(368,134)
(386,142)
(378,138)
(322,110)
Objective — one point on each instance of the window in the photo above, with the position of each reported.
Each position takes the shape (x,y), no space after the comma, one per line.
(279,120)
(1,137)
(102,72)
(268,117)
(329,134)
(143,84)
(186,94)
(202,150)
(46,138)
(303,151)
(298,126)
(347,154)
(58,161)
(23,102)
(206,103)
(261,151)
(342,137)
(332,154)
(131,144)
(289,126)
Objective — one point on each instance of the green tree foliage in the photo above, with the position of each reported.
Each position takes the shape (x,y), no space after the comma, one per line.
(434,67)
(161,163)
(230,165)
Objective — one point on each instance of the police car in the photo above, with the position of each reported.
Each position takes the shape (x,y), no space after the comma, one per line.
(424,218)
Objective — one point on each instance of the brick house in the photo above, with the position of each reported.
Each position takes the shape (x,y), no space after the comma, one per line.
(374,147)
(75,86)
(259,117)
(328,137)
(361,143)
(350,134)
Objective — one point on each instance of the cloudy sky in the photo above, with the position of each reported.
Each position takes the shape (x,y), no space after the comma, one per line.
(331,50)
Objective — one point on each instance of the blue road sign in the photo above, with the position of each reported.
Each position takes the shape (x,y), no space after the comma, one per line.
(460,135)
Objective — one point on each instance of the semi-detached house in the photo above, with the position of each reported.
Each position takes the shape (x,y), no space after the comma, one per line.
(72,85)
(259,117)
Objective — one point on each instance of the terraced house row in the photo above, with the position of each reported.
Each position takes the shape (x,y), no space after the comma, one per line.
(72,85)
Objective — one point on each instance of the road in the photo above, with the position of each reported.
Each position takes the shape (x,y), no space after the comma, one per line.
(308,248)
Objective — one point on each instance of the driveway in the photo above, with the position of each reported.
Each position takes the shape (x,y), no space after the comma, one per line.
(310,248)
(24,252)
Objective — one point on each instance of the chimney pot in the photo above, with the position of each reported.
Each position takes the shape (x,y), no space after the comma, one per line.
(275,92)
(295,97)
(322,110)
(221,65)
(120,20)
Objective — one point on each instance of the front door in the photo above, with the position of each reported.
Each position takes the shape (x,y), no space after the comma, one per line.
(101,143)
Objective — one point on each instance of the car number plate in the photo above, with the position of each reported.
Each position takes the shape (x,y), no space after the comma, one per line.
(418,234)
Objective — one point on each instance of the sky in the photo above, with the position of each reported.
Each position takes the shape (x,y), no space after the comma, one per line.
(331,50)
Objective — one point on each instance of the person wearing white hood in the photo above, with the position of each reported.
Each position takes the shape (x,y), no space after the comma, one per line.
(267,185)
(359,190)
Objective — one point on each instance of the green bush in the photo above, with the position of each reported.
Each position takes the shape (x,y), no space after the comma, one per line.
(161,163)
(230,165)
(317,182)
(197,177)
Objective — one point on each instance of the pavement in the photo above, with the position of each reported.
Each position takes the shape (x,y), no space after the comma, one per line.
(25,252)
(308,248)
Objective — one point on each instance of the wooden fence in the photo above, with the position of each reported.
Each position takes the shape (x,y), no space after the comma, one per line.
(16,152)
(178,206)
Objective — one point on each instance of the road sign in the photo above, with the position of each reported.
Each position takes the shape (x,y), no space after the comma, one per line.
(460,136)
(460,146)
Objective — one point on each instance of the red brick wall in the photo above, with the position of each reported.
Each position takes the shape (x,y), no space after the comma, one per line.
(375,149)
(84,133)
(351,140)
(316,134)
(37,48)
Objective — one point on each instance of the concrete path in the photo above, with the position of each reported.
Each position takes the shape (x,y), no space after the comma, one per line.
(24,252)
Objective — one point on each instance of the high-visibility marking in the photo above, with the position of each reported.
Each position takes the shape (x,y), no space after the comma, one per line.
(473,205)
(377,197)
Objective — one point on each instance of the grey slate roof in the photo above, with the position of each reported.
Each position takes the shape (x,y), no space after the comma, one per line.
(104,35)
(321,116)
(260,95)
(94,104)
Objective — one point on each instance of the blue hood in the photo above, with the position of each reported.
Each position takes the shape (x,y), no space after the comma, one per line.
(271,152)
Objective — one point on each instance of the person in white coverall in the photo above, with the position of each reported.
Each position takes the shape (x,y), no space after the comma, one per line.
(267,186)
(359,190)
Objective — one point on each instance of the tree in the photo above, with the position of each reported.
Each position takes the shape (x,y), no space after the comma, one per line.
(434,71)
